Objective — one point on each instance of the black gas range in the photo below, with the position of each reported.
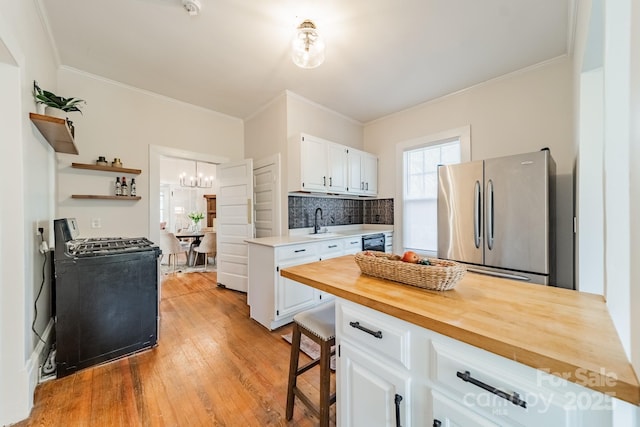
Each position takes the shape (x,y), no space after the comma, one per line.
(106,297)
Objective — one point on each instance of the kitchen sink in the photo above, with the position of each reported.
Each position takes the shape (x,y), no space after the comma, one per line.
(323,235)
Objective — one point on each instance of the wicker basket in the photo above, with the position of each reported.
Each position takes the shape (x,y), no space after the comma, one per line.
(440,275)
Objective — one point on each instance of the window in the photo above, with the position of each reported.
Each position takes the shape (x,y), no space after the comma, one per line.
(421,194)
(418,188)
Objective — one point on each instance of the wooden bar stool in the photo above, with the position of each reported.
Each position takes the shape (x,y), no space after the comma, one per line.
(319,324)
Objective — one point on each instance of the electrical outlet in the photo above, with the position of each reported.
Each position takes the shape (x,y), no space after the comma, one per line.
(96,223)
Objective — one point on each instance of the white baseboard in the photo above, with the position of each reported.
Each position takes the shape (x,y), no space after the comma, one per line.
(38,356)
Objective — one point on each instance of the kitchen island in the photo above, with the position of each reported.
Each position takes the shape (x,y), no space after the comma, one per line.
(560,332)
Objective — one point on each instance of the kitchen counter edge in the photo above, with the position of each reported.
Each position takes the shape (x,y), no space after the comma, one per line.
(276,241)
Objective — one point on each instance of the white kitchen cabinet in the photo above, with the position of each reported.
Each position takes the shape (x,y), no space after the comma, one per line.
(313,163)
(328,249)
(293,297)
(336,168)
(449,382)
(374,379)
(371,393)
(362,173)
(355,182)
(447,413)
(370,174)
(274,299)
(317,165)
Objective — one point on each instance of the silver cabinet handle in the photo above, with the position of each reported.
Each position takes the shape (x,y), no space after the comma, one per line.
(489,198)
(477,208)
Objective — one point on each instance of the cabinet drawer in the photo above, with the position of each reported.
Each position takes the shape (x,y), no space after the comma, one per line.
(296,251)
(486,385)
(352,245)
(330,249)
(374,331)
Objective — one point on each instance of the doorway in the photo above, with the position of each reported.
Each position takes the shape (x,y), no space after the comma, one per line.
(156,201)
(183,187)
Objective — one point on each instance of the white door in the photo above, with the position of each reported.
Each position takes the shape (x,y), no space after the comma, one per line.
(266,197)
(234,223)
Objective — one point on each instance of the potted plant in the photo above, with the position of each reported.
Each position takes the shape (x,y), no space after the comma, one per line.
(51,100)
(196,217)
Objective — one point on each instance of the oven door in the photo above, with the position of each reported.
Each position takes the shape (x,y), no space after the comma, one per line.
(373,242)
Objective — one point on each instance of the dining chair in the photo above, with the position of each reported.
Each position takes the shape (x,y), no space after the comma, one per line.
(207,247)
(171,245)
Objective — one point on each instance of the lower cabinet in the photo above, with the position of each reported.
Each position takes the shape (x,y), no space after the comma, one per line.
(371,392)
(274,300)
(445,382)
(293,297)
(447,413)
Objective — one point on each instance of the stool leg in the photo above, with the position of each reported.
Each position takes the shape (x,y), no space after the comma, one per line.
(293,369)
(325,382)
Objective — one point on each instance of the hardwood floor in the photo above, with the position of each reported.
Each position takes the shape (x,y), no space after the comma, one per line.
(213,366)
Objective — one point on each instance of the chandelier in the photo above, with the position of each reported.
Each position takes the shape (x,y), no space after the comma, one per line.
(195,181)
(307,48)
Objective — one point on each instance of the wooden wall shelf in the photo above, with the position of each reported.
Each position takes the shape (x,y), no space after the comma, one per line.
(105,168)
(96,197)
(56,132)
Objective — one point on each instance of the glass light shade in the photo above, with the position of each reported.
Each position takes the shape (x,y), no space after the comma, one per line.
(307,48)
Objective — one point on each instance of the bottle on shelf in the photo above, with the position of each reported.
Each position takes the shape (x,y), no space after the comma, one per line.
(125,187)
(133,187)
(118,187)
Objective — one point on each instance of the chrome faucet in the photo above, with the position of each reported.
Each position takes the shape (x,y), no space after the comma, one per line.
(316,226)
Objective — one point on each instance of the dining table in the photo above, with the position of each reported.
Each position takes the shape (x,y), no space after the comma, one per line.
(196,236)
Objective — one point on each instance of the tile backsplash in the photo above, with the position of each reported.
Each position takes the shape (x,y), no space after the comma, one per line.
(338,211)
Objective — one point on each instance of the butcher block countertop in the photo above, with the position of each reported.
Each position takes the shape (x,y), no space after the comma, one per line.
(556,330)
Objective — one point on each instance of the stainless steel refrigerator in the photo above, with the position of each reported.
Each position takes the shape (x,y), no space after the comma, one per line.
(496,216)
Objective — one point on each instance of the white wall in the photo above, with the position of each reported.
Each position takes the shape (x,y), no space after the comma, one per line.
(517,113)
(304,116)
(620,183)
(122,121)
(268,131)
(27,179)
(266,135)
(590,197)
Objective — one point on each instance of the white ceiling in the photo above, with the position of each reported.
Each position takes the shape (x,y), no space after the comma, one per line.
(382,56)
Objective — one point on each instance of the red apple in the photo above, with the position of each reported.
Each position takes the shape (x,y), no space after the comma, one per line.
(411,257)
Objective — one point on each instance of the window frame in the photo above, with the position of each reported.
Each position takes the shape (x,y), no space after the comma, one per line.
(462,133)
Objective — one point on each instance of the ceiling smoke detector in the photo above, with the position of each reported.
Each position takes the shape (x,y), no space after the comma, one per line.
(192,6)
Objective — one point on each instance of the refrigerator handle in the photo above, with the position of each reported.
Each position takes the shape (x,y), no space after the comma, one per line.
(477,208)
(489,198)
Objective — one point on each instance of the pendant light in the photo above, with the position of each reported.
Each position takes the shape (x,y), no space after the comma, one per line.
(307,48)
(197,181)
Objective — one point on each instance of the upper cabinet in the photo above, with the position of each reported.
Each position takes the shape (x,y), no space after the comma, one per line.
(363,173)
(321,166)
